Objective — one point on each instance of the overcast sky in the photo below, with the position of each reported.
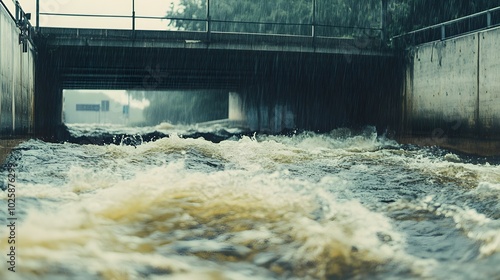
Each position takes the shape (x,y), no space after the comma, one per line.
(108,7)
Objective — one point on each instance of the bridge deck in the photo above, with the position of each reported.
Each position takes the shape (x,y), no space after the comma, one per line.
(124,59)
(214,41)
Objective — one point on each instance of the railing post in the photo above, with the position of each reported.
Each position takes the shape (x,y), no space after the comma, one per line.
(18,12)
(133,14)
(488,19)
(383,21)
(38,15)
(443,32)
(313,25)
(208,22)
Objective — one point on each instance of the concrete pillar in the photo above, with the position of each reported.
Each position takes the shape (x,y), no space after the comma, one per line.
(48,95)
(235,107)
(283,118)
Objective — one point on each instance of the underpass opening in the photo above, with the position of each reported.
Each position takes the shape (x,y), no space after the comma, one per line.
(284,92)
(113,116)
(145,108)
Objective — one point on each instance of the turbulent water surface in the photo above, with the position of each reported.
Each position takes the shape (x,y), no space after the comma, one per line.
(343,205)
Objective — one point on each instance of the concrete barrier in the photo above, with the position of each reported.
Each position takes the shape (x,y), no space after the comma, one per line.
(489,84)
(452,93)
(17,85)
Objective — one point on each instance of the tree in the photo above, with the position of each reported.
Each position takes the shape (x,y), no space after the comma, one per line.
(410,15)
(278,16)
(191,12)
(334,17)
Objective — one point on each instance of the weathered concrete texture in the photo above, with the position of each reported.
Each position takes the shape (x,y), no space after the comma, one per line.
(16,81)
(445,86)
(489,84)
(452,93)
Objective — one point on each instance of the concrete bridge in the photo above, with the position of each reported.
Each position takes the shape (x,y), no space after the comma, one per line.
(275,76)
(278,81)
(121,59)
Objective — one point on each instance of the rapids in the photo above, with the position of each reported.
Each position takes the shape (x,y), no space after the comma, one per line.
(342,205)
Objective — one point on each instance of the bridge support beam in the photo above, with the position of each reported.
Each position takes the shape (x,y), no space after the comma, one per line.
(48,96)
(235,107)
(262,111)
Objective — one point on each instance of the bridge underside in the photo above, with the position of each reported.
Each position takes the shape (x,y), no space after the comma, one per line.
(124,59)
(325,83)
(153,68)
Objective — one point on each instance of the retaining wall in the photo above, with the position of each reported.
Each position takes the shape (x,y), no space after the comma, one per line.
(452,93)
(17,82)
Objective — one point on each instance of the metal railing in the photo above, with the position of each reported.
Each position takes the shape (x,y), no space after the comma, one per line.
(209,23)
(22,21)
(451,28)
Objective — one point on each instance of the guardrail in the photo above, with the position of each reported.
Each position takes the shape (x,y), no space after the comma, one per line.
(22,21)
(210,23)
(452,28)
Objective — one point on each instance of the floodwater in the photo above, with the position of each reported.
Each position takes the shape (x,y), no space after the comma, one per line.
(343,205)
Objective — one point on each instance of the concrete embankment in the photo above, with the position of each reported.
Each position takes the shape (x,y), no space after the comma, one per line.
(17,86)
(452,94)
(17,80)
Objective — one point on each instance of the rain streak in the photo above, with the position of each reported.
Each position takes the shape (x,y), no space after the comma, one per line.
(249,139)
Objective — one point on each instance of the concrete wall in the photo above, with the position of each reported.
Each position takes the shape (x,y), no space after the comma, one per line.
(489,84)
(452,93)
(263,111)
(17,71)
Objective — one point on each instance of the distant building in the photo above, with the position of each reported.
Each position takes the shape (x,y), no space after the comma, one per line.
(97,107)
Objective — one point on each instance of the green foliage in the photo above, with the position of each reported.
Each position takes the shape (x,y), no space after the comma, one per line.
(402,15)
(189,9)
(278,16)
(408,15)
(185,107)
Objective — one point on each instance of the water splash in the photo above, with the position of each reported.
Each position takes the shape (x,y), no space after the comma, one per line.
(305,206)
